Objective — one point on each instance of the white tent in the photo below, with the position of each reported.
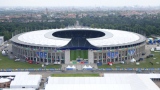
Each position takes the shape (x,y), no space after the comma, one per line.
(157,48)
(84,67)
(26,81)
(137,63)
(58,62)
(132,60)
(3,52)
(89,66)
(110,64)
(73,67)
(68,66)
(122,62)
(149,39)
(7,44)
(152,49)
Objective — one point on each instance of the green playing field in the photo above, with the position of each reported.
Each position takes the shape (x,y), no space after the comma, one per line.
(78,54)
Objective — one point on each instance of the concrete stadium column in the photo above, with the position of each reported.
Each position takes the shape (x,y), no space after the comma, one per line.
(51,57)
(106,56)
(114,56)
(17,52)
(126,53)
(60,56)
(102,56)
(121,54)
(144,48)
(118,55)
(26,54)
(55,54)
(138,49)
(90,57)
(137,52)
(97,56)
(47,56)
(23,53)
(67,56)
(20,53)
(43,57)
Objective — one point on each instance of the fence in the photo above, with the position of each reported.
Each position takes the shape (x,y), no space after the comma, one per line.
(30,69)
(100,69)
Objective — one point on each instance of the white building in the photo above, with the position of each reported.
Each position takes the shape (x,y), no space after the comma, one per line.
(110,81)
(1,40)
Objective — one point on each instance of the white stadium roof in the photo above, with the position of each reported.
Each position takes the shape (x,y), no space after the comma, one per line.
(88,87)
(116,81)
(18,89)
(22,80)
(27,81)
(13,73)
(45,38)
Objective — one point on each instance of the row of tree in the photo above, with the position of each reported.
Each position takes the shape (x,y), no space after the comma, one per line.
(148,25)
(145,25)
(7,29)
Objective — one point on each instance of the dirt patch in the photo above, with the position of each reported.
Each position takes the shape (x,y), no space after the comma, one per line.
(101,74)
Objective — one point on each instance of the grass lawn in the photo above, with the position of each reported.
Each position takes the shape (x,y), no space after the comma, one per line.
(143,64)
(78,53)
(6,63)
(75,75)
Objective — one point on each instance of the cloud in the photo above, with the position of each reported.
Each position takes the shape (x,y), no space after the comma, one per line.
(79,2)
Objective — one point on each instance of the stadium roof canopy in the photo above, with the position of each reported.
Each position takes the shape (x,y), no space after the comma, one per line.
(119,81)
(13,73)
(18,89)
(78,38)
(22,80)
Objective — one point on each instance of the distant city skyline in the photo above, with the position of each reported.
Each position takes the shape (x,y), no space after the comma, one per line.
(79,3)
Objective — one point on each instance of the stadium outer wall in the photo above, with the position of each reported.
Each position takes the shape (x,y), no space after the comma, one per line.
(55,56)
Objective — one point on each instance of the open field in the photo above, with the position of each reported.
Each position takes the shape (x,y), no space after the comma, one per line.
(78,53)
(76,75)
(143,64)
(6,63)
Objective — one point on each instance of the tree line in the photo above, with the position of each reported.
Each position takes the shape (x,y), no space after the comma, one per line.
(148,25)
(7,29)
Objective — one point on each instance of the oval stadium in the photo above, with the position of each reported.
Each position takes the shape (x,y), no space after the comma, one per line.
(90,45)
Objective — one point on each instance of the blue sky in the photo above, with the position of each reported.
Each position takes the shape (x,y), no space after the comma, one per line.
(94,3)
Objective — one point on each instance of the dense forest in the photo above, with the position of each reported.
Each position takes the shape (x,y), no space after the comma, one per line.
(149,24)
(9,28)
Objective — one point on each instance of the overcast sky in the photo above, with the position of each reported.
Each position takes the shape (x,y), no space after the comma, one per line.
(93,3)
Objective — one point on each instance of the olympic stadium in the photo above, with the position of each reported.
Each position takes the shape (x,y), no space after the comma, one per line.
(87,45)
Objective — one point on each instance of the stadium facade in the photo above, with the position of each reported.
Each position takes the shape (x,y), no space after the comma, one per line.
(90,45)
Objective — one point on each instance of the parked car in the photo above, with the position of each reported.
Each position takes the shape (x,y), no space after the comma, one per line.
(151,55)
(141,59)
(17,59)
(143,53)
(138,71)
(148,56)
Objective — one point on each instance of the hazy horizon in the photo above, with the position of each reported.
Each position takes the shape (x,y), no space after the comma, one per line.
(78,3)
